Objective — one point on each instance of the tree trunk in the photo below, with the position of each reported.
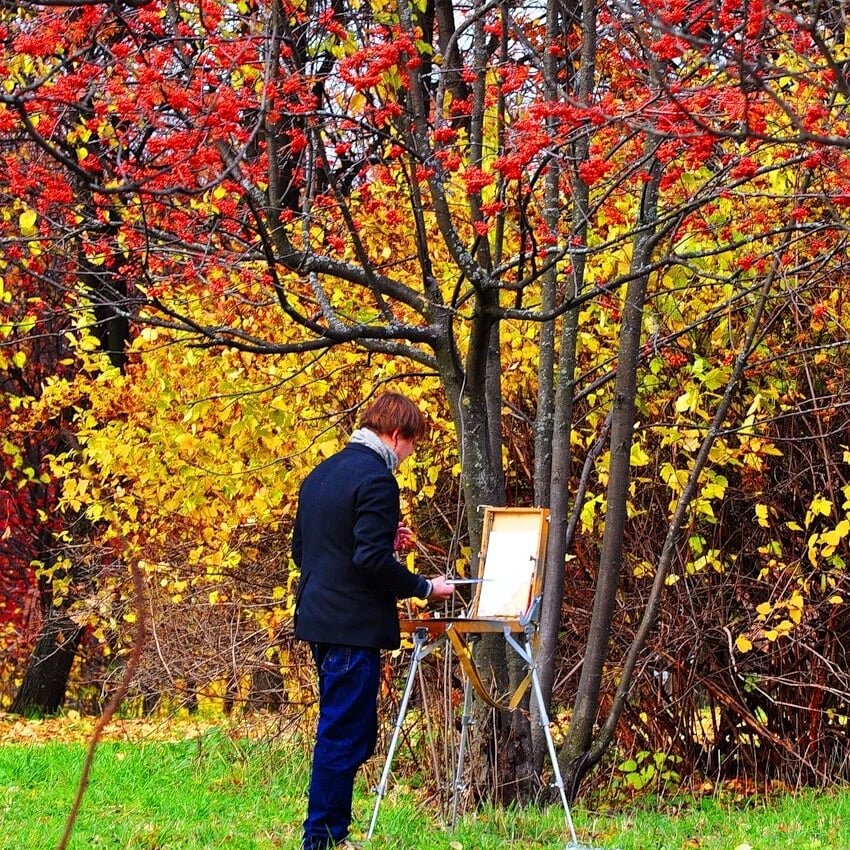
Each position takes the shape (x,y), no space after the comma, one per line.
(46,679)
(561,458)
(575,754)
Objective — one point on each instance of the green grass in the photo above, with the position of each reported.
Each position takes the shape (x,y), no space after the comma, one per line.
(206,793)
(213,793)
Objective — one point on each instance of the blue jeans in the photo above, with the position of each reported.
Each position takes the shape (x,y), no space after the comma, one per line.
(348,728)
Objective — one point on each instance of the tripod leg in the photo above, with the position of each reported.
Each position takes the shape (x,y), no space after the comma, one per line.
(465,723)
(550,744)
(419,641)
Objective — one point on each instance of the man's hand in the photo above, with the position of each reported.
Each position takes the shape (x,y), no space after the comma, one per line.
(403,538)
(441,589)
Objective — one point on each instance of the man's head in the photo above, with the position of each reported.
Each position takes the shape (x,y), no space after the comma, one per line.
(397,421)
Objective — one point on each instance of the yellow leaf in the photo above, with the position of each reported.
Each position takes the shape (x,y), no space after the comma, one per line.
(638,456)
(761,515)
(683,403)
(836,535)
(27,221)
(743,643)
(820,506)
(327,448)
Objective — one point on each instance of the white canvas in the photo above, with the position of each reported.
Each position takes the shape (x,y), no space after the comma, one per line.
(510,564)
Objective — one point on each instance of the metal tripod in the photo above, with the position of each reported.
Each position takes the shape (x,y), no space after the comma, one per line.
(421,648)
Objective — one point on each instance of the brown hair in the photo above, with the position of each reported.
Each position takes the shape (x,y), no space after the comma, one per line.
(391,411)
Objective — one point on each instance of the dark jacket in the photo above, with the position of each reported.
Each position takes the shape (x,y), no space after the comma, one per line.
(345,527)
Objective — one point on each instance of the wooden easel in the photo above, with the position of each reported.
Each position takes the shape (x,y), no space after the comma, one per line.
(506,601)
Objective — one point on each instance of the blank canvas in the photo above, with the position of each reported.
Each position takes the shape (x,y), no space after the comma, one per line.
(510,563)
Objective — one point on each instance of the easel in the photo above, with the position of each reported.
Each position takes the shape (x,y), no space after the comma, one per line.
(507,601)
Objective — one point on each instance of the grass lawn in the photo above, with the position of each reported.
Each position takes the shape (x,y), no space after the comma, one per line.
(210,792)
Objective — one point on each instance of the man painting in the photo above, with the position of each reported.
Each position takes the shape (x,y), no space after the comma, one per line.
(346,532)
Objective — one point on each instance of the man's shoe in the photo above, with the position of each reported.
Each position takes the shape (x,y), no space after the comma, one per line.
(350,845)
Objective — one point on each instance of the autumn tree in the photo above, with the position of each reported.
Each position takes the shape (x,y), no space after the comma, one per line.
(37,542)
(630,208)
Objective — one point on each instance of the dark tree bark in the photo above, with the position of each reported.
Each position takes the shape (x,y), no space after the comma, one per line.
(576,751)
(552,488)
(46,679)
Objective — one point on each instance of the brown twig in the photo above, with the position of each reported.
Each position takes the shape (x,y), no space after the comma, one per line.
(112,705)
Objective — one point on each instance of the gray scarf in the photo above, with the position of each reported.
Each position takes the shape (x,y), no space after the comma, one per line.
(367,437)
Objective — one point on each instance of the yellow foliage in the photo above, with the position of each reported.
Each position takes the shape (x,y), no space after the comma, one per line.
(743,643)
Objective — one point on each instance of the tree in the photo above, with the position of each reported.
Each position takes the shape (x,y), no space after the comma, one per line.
(35,554)
(629,191)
